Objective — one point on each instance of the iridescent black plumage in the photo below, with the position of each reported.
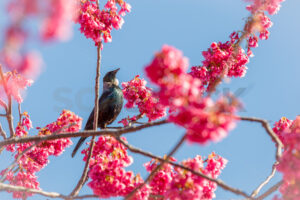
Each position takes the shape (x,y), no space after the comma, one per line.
(110,105)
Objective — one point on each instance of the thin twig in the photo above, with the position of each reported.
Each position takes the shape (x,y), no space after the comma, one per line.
(85,133)
(9,116)
(270,132)
(266,181)
(82,180)
(3,104)
(279,147)
(20,112)
(157,168)
(9,168)
(35,191)
(2,132)
(7,187)
(217,181)
(269,191)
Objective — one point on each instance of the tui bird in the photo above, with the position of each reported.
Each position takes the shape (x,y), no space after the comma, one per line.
(110,105)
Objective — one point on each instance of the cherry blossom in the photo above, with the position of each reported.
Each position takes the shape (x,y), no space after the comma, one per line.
(35,156)
(137,94)
(97,24)
(14,83)
(289,164)
(107,173)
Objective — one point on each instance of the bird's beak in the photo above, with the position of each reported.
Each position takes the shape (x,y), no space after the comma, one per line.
(115,71)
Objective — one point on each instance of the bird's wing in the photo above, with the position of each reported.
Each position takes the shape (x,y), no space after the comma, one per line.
(102,100)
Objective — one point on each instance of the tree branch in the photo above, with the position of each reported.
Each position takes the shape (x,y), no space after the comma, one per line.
(2,132)
(157,168)
(269,130)
(86,133)
(269,191)
(217,181)
(41,192)
(266,181)
(83,177)
(8,108)
(279,147)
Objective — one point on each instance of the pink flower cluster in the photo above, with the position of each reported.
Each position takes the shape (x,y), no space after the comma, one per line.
(162,179)
(229,59)
(271,6)
(36,156)
(204,119)
(107,173)
(221,60)
(289,164)
(259,22)
(281,126)
(207,121)
(97,24)
(181,184)
(137,94)
(57,23)
(13,84)
(55,17)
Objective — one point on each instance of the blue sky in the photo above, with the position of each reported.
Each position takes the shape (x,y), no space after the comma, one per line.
(270,85)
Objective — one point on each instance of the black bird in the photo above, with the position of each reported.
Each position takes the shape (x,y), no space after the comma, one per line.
(110,105)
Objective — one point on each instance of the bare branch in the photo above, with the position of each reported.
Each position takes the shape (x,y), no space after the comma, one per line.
(157,168)
(86,133)
(83,178)
(8,108)
(266,181)
(85,170)
(20,112)
(2,132)
(269,130)
(279,147)
(269,191)
(4,187)
(3,104)
(35,191)
(217,181)
(9,118)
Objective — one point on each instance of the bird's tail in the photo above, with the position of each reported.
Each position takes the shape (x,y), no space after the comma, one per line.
(79,143)
(88,126)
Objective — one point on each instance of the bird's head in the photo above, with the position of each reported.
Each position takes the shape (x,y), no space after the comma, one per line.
(110,78)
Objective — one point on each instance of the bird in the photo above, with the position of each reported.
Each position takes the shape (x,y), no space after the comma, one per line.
(110,105)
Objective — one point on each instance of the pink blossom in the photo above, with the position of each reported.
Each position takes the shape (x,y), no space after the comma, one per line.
(15,83)
(289,164)
(271,6)
(182,93)
(221,59)
(186,185)
(36,156)
(281,128)
(137,94)
(23,179)
(207,121)
(27,64)
(58,21)
(107,173)
(166,65)
(97,24)
(162,178)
